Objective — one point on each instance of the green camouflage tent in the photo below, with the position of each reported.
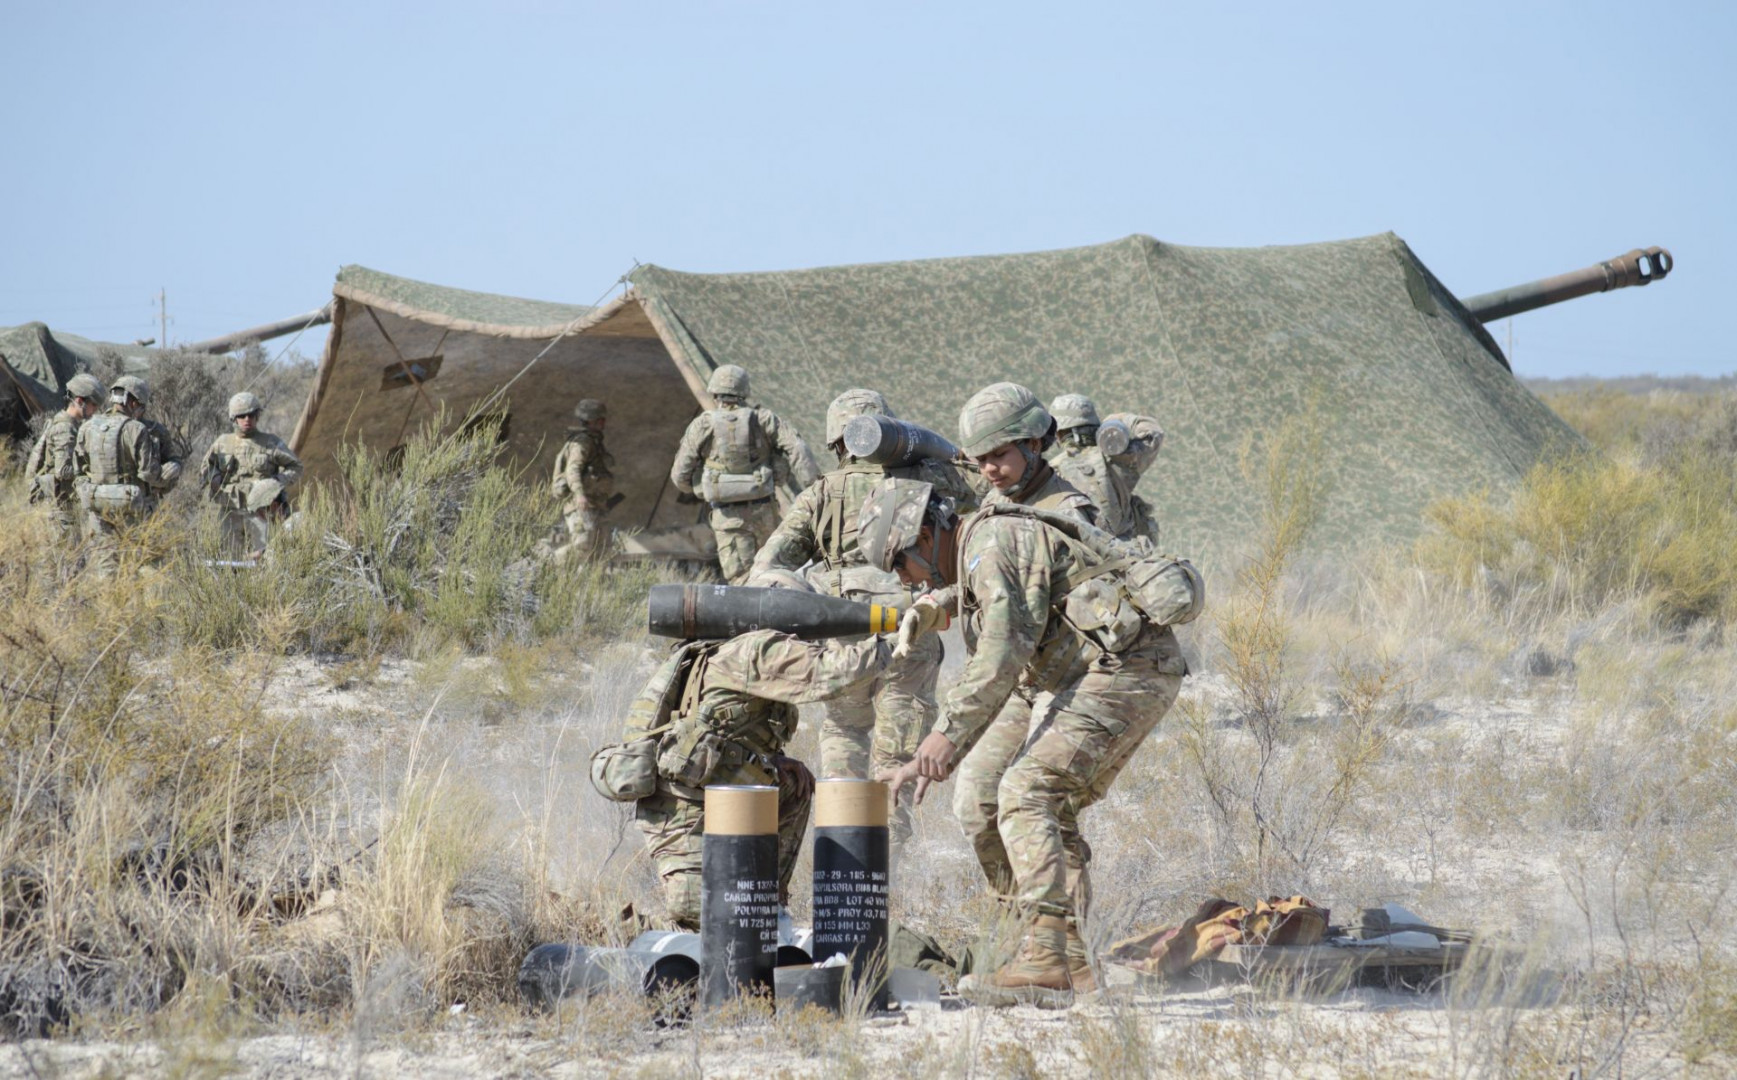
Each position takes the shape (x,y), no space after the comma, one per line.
(35,363)
(1221,344)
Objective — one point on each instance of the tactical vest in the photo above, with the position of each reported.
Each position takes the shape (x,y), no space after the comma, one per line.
(837,533)
(250,459)
(1106,596)
(702,733)
(597,459)
(737,470)
(1055,494)
(843,491)
(104,449)
(733,441)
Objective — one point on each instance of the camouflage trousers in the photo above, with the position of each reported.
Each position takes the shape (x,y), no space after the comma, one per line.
(977,786)
(106,535)
(63,517)
(740,529)
(675,824)
(1075,743)
(587,535)
(244,534)
(878,725)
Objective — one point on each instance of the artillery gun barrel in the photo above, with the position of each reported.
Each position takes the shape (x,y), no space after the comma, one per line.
(723,611)
(231,342)
(881,440)
(1638,267)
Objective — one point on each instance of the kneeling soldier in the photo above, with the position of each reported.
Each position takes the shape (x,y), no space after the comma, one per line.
(723,712)
(878,725)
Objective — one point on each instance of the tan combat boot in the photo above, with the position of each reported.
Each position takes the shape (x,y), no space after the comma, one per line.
(1037,976)
(1080,971)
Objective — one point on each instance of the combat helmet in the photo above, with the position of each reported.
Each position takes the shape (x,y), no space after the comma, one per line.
(84,386)
(590,409)
(728,381)
(244,404)
(851,403)
(1074,411)
(892,517)
(999,414)
(132,386)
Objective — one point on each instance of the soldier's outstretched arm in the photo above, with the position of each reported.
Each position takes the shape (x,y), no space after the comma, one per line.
(793,543)
(1009,578)
(777,666)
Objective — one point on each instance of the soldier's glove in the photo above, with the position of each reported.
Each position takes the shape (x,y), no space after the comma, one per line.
(924,616)
(171,472)
(794,774)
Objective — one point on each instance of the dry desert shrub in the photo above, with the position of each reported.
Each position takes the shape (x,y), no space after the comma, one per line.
(177,833)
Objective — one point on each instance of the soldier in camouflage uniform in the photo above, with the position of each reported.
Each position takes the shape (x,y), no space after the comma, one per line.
(246,472)
(732,708)
(878,725)
(119,473)
(584,483)
(53,465)
(169,454)
(1146,435)
(1006,429)
(733,456)
(1012,571)
(1108,479)
(1077,458)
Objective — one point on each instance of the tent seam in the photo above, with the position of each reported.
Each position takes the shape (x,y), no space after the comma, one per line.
(1465,393)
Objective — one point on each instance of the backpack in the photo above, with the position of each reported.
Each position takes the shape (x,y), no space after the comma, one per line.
(1162,590)
(731,475)
(627,771)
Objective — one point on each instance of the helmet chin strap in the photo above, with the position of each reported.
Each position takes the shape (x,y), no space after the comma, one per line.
(1032,460)
(1033,467)
(933,569)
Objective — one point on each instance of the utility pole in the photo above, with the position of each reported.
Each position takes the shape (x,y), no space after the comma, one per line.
(163,317)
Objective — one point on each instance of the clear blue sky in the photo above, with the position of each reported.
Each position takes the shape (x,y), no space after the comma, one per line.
(239,153)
